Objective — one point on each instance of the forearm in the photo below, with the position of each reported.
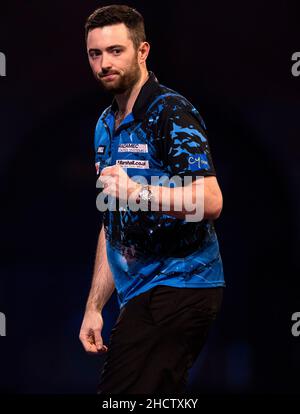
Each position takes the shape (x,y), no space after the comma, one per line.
(201,199)
(102,283)
(164,201)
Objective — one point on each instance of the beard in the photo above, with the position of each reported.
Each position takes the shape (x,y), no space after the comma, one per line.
(122,82)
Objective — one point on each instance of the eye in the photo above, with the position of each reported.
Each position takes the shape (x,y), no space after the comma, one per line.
(116,51)
(94,54)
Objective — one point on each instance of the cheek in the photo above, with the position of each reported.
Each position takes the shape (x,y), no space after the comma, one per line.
(130,63)
(94,64)
(91,64)
(127,61)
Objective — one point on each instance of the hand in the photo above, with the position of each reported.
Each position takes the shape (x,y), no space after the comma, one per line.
(90,333)
(117,183)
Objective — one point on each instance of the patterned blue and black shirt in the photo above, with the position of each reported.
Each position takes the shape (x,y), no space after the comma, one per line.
(163,136)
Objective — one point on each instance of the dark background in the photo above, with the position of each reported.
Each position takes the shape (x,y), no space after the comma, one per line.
(232,60)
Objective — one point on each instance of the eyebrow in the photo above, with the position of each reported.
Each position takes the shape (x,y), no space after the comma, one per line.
(109,48)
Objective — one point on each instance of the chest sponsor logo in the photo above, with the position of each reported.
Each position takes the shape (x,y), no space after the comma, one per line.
(133,163)
(130,147)
(101,149)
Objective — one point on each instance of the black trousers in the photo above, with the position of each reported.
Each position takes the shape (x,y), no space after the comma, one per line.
(157,337)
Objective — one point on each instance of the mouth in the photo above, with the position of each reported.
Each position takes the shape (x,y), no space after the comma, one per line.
(109,76)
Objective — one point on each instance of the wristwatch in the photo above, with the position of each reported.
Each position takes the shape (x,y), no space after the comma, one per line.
(145,194)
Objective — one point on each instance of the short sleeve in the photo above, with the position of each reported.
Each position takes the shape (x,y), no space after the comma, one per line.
(185,146)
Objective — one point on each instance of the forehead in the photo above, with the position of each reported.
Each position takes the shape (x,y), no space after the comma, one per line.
(102,37)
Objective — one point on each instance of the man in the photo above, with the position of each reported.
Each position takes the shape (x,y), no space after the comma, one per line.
(167,270)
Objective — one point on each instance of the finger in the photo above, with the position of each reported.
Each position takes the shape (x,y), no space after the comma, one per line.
(93,349)
(107,190)
(108,170)
(110,189)
(90,346)
(98,340)
(87,344)
(105,179)
(106,187)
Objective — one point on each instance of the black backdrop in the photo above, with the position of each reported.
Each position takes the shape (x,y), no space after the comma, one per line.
(233,61)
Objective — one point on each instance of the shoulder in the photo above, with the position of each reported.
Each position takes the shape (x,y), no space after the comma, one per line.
(100,128)
(170,106)
(103,116)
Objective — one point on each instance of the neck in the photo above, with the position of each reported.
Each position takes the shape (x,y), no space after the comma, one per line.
(126,100)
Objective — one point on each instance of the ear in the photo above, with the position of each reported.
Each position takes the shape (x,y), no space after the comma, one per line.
(143,52)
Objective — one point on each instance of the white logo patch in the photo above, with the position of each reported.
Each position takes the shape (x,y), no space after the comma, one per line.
(129,147)
(133,163)
(101,149)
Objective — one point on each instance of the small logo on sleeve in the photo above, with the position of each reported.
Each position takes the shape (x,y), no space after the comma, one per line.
(198,162)
(101,149)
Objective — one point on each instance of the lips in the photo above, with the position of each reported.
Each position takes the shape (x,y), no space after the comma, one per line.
(109,76)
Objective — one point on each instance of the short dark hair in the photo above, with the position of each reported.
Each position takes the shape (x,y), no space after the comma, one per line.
(114,14)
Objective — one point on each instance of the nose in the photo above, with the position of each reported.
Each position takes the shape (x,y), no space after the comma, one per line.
(105,63)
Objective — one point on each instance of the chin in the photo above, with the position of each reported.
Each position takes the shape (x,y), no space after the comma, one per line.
(109,86)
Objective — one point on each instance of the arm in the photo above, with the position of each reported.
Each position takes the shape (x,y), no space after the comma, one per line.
(101,290)
(200,199)
(185,150)
(204,192)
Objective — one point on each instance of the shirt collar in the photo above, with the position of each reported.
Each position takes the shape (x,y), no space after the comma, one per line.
(148,91)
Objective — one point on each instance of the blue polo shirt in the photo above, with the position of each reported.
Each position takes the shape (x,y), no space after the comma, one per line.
(163,136)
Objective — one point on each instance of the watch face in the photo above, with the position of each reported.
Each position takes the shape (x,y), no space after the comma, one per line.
(144,194)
